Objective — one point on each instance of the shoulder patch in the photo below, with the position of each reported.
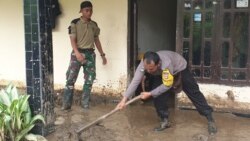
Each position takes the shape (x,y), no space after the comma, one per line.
(75,20)
(167,78)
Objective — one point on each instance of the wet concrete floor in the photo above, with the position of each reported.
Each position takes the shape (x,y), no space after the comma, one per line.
(136,123)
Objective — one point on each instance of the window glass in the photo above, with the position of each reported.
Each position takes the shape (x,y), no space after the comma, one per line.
(215,40)
(196,72)
(209,4)
(226,24)
(240,40)
(186,50)
(197,38)
(207,54)
(227,4)
(224,75)
(186,25)
(207,73)
(239,76)
(208,25)
(224,54)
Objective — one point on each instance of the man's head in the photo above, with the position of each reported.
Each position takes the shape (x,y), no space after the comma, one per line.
(151,62)
(86,9)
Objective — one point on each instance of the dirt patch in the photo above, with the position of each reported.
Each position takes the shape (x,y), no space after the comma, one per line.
(136,123)
(75,119)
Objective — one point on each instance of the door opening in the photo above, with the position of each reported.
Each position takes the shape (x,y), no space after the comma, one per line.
(152,27)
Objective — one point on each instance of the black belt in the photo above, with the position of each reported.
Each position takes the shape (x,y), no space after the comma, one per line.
(86,49)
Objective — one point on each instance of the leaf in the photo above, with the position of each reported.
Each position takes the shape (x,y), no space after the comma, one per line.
(4,98)
(2,114)
(12,107)
(3,107)
(24,110)
(12,111)
(7,120)
(16,114)
(37,117)
(23,132)
(27,116)
(9,87)
(21,109)
(24,103)
(2,135)
(14,94)
(1,122)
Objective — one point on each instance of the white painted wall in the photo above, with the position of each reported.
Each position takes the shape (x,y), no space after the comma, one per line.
(221,97)
(111,16)
(12,51)
(241,94)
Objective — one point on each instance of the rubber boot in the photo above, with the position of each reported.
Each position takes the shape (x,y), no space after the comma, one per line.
(67,99)
(163,125)
(212,129)
(86,96)
(85,100)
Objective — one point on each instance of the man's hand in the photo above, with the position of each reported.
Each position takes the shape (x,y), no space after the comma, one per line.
(145,95)
(121,104)
(104,60)
(80,58)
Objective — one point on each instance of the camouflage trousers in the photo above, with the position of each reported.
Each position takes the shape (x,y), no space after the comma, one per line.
(89,70)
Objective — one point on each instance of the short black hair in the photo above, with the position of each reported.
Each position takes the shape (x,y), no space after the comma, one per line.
(151,56)
(85,4)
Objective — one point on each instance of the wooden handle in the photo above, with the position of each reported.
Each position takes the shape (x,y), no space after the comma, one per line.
(78,131)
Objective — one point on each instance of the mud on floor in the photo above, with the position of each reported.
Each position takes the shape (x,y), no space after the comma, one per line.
(68,122)
(74,119)
(135,123)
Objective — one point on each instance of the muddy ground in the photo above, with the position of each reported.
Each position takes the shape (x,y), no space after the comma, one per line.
(136,123)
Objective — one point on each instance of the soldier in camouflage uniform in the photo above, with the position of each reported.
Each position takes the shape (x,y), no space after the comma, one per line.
(84,37)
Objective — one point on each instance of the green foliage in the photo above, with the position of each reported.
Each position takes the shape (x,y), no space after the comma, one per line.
(15,115)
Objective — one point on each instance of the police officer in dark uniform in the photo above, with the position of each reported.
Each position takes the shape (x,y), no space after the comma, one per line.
(168,70)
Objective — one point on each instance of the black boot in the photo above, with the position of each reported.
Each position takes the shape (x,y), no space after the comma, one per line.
(85,101)
(212,129)
(67,99)
(163,125)
(86,96)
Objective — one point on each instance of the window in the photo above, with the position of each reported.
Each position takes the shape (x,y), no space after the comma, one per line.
(215,41)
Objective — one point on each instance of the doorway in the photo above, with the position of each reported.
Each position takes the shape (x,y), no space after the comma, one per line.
(152,27)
